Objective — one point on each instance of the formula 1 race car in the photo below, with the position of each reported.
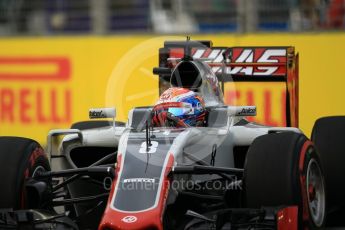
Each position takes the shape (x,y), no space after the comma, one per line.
(224,173)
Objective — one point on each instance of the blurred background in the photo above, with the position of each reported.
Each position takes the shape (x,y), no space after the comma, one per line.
(52,17)
(58,58)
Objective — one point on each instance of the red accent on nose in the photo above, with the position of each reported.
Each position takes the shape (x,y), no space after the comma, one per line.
(152,218)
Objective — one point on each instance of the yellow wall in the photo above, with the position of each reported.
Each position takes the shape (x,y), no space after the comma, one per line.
(117,71)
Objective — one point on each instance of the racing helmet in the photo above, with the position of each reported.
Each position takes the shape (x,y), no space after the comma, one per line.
(179,107)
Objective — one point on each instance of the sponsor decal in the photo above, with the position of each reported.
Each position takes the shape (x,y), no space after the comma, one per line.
(129,219)
(273,58)
(247,111)
(96,114)
(242,61)
(35,105)
(139,180)
(31,68)
(29,93)
(102,113)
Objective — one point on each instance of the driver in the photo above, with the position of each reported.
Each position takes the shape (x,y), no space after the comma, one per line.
(179,107)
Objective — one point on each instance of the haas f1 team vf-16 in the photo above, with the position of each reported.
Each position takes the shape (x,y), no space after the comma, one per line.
(161,171)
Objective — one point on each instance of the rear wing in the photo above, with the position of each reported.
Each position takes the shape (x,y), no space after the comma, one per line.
(238,64)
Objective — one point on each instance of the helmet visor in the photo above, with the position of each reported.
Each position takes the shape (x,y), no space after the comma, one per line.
(180,111)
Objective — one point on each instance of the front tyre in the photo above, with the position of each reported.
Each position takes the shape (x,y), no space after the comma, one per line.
(283,169)
(328,135)
(20,159)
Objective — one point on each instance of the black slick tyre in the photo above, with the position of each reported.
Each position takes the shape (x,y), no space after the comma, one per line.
(329,136)
(283,169)
(20,158)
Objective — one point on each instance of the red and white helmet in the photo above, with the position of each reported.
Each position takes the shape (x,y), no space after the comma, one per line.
(179,107)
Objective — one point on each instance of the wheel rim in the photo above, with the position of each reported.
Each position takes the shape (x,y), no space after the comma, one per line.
(315,193)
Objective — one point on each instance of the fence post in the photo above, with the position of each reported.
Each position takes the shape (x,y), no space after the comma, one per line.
(251,12)
(99,16)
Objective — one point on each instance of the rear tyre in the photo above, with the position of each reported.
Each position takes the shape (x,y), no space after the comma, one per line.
(329,135)
(82,125)
(20,158)
(283,169)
